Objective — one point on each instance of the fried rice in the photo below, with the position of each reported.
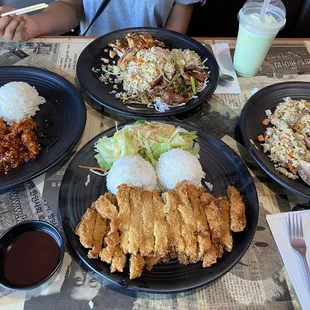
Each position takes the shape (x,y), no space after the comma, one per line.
(287,141)
(138,76)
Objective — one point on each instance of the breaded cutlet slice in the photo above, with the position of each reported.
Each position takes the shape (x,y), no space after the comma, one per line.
(211,250)
(161,246)
(105,207)
(111,197)
(136,266)
(200,218)
(225,214)
(147,211)
(210,207)
(106,254)
(214,217)
(237,210)
(118,260)
(136,220)
(99,232)
(86,226)
(112,239)
(189,227)
(174,222)
(123,202)
(114,256)
(151,261)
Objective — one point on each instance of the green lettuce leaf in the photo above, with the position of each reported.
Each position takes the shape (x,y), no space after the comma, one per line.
(110,149)
(160,148)
(147,139)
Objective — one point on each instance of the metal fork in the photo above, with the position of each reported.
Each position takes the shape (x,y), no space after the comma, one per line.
(296,235)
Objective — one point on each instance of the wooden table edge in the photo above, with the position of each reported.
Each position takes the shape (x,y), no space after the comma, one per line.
(196,38)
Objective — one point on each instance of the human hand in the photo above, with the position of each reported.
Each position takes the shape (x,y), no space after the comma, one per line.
(15,28)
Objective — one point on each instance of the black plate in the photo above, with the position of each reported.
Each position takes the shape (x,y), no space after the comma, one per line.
(100,92)
(253,114)
(61,121)
(222,166)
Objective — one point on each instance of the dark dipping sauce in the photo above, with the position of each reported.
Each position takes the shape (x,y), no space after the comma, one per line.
(31,258)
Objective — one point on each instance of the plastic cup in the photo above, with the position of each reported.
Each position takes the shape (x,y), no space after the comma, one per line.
(256,35)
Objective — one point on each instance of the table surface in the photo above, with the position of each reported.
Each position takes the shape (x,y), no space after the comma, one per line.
(258,281)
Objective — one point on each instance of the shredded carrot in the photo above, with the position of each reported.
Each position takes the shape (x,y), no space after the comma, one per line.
(265,122)
(291,168)
(260,138)
(140,59)
(93,168)
(290,154)
(281,138)
(301,127)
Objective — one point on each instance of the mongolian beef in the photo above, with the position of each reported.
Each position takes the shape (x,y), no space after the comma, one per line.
(151,74)
(18,143)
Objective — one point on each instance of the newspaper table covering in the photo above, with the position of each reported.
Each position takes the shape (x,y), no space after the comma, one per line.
(258,281)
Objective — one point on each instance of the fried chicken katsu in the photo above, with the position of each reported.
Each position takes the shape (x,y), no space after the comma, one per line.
(18,143)
(147,228)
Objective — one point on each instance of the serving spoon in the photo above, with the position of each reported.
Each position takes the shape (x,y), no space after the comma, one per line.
(226,77)
(222,76)
(304,171)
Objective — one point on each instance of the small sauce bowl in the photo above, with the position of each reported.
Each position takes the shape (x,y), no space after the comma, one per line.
(30,254)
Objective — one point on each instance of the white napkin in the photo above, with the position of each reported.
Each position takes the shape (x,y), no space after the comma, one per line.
(223,58)
(292,260)
(39,182)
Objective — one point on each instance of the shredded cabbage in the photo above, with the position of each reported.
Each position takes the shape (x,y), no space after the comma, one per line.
(147,139)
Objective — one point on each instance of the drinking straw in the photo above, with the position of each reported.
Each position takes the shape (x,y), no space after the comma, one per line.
(264,8)
(26,9)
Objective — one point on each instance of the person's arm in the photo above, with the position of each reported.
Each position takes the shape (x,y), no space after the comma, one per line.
(179,17)
(59,17)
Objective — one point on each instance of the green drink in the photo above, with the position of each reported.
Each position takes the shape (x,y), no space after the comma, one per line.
(256,34)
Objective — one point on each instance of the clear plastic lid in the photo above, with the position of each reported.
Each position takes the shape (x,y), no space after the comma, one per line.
(274,20)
